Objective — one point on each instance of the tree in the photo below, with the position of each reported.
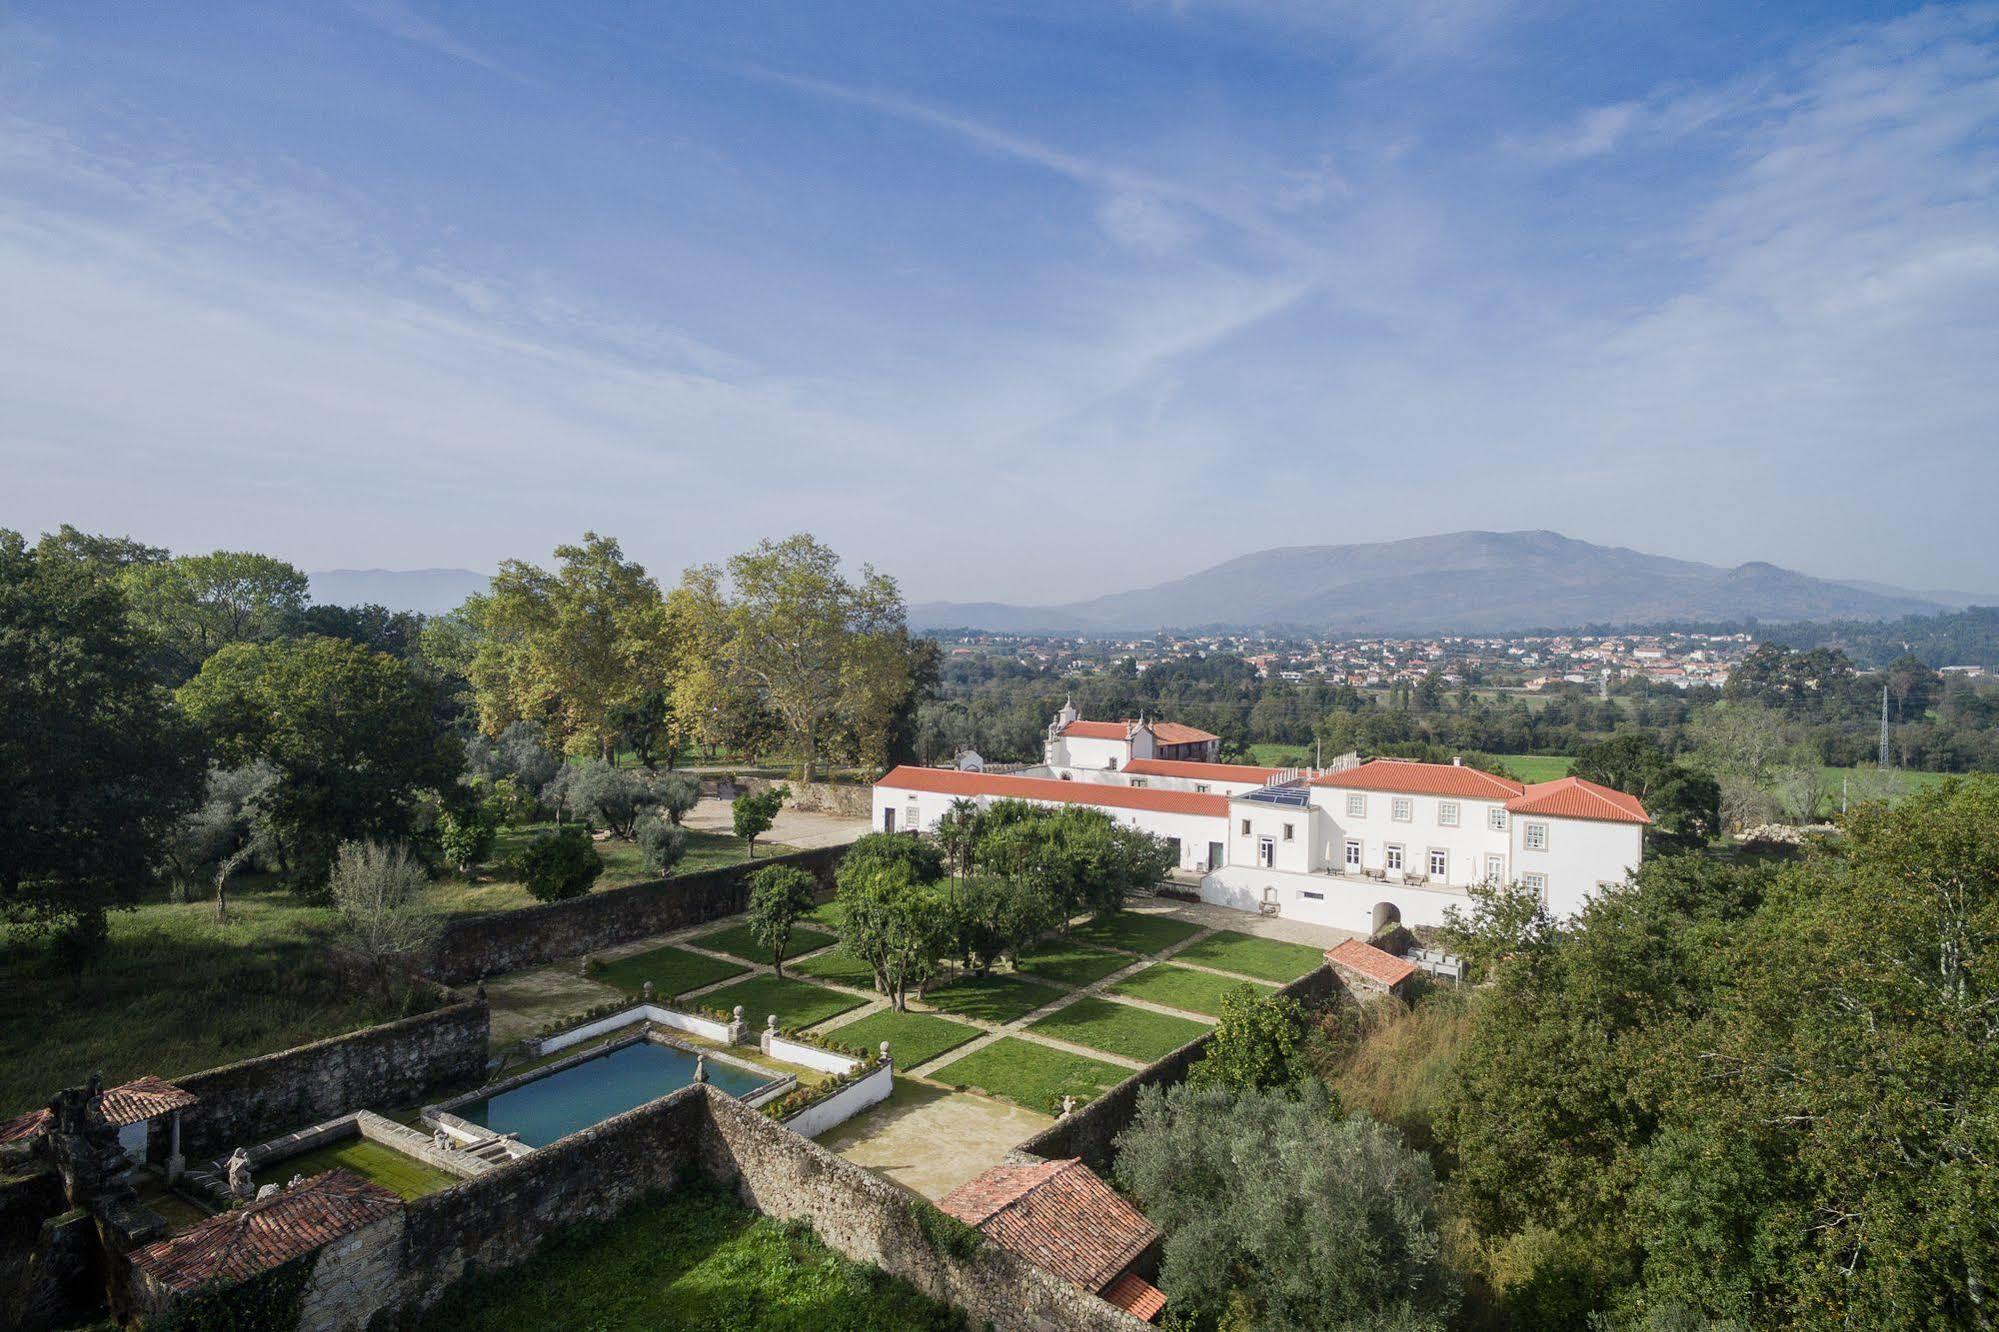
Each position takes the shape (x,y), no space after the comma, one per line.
(97,767)
(224,831)
(678,793)
(466,832)
(379,891)
(1278,1215)
(570,648)
(609,797)
(755,811)
(1080,858)
(1506,920)
(894,922)
(646,725)
(874,853)
(779,895)
(193,606)
(994,918)
(662,845)
(560,865)
(1259,1044)
(958,833)
(350,732)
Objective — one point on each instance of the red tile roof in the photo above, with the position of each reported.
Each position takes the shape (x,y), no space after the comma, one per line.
(1407,778)
(1089,730)
(258,1236)
(1371,962)
(949,781)
(1200,772)
(1136,1296)
(24,1126)
(1173,733)
(1574,798)
(142,1098)
(1057,1215)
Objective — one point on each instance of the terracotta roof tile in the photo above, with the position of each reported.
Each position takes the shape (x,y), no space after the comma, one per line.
(1199,772)
(1173,733)
(949,781)
(1372,962)
(1136,1296)
(25,1126)
(1057,1215)
(1089,730)
(1574,798)
(260,1235)
(143,1098)
(1408,778)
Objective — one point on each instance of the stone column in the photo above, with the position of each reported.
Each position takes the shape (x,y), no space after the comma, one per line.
(769,1033)
(739,1030)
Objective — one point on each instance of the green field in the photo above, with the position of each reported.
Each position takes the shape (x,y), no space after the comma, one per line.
(1122,1029)
(837,965)
(494,888)
(1030,1075)
(1281,756)
(1070,963)
(671,970)
(795,1003)
(1182,988)
(913,1038)
(737,941)
(693,1258)
(405,1175)
(1134,932)
(176,991)
(995,998)
(1537,767)
(1247,955)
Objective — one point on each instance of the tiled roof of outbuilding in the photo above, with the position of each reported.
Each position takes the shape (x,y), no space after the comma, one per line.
(1371,962)
(1404,777)
(1574,798)
(1199,772)
(258,1236)
(1057,1215)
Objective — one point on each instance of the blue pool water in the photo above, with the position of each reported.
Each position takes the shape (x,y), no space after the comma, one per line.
(592,1091)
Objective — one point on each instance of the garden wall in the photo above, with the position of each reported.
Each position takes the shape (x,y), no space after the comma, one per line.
(1091,1132)
(504,941)
(852,800)
(394,1064)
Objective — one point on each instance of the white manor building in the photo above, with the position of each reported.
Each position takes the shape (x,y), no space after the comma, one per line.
(1338,847)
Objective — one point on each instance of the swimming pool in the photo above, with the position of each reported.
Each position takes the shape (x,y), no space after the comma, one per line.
(586,1093)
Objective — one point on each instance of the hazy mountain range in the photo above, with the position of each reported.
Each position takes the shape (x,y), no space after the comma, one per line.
(1462,582)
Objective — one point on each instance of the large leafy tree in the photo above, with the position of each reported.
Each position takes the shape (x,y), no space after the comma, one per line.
(96,765)
(1080,859)
(572,647)
(350,732)
(894,919)
(195,605)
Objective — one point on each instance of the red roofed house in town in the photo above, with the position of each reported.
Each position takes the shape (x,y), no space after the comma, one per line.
(1060,1216)
(1076,743)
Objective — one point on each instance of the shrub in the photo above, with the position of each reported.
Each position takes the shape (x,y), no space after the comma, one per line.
(755,811)
(561,865)
(779,895)
(662,846)
(677,794)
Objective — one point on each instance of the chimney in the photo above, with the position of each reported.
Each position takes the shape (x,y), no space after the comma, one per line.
(1456,761)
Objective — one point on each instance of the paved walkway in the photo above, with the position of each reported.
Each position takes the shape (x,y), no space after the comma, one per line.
(803,829)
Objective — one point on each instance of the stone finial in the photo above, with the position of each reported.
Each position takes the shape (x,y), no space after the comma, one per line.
(646,991)
(294,1181)
(701,1068)
(240,1184)
(884,1052)
(770,1022)
(739,1012)
(1068,1106)
(268,1191)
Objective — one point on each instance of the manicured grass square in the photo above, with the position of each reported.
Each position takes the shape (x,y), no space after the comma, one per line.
(1182,987)
(913,1038)
(671,970)
(1135,1033)
(826,916)
(1267,959)
(835,964)
(737,941)
(1032,1075)
(995,998)
(795,1003)
(1072,963)
(1135,932)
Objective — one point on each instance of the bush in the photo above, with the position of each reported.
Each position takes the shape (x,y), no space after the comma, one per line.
(609,797)
(661,845)
(561,865)
(677,794)
(755,811)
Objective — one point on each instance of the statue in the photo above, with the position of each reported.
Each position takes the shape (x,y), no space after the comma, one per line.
(646,993)
(884,1052)
(267,1191)
(294,1181)
(240,1185)
(442,1141)
(1068,1106)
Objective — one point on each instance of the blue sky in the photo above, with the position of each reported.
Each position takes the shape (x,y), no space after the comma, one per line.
(1017,301)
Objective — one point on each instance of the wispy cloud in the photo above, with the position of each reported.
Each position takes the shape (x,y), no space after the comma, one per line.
(398,19)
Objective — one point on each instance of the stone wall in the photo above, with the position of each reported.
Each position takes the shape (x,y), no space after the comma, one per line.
(1091,1132)
(851,800)
(509,940)
(394,1064)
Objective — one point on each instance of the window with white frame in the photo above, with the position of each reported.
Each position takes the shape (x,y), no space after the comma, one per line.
(1535,883)
(1534,836)
(1353,853)
(1356,806)
(1495,868)
(1495,818)
(1447,813)
(1402,809)
(1391,856)
(913,816)
(1440,863)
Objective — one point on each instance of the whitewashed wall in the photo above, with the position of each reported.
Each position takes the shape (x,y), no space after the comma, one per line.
(862,1094)
(1195,831)
(1466,845)
(1342,903)
(1582,855)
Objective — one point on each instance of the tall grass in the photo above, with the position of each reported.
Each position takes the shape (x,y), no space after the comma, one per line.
(1396,1061)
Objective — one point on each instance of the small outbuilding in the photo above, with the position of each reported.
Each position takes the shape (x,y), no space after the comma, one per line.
(1368,971)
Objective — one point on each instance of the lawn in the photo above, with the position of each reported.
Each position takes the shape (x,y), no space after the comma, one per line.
(1266,959)
(493,887)
(1031,1075)
(1072,963)
(1182,988)
(995,998)
(405,1175)
(1135,1033)
(1537,767)
(1134,932)
(671,970)
(840,966)
(693,1258)
(176,991)
(796,1003)
(737,941)
(913,1038)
